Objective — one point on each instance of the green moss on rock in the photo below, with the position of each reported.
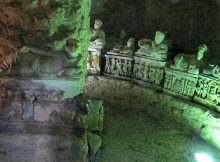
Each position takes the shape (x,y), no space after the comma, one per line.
(47,25)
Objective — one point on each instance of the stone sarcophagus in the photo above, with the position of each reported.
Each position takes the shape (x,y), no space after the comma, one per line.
(150,60)
(179,83)
(181,75)
(208,91)
(148,72)
(119,66)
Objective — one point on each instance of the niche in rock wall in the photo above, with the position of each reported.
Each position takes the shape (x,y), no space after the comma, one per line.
(44,38)
(43,47)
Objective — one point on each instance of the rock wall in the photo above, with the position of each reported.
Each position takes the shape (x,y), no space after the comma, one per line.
(45,25)
(118,92)
(65,130)
(188,23)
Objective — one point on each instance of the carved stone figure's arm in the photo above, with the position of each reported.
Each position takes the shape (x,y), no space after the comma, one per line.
(216,72)
(163,48)
(178,60)
(102,36)
(153,45)
(126,50)
(160,49)
(192,67)
(99,37)
(94,35)
(26,49)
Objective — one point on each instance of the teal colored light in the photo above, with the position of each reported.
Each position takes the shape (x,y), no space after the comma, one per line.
(202,157)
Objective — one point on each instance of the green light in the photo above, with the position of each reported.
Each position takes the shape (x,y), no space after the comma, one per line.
(202,157)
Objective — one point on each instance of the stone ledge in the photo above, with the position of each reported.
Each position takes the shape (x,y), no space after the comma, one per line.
(43,89)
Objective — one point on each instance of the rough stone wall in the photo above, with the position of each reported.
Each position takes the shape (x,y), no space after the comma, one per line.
(66,130)
(118,92)
(188,22)
(43,24)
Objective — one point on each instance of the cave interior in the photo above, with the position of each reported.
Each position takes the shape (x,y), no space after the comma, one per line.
(109,81)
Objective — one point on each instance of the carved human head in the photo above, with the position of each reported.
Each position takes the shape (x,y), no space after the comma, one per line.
(123,34)
(159,37)
(202,50)
(98,24)
(72,44)
(131,42)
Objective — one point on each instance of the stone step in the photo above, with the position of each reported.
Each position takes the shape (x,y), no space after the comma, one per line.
(12,127)
(40,89)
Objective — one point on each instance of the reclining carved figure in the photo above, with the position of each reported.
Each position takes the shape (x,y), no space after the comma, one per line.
(190,63)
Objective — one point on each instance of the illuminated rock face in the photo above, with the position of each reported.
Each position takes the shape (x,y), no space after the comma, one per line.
(43,53)
(45,26)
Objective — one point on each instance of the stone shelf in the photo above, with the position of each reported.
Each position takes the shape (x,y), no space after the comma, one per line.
(43,89)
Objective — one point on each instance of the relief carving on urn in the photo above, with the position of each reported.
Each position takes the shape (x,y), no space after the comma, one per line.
(120,59)
(208,91)
(179,83)
(148,72)
(118,66)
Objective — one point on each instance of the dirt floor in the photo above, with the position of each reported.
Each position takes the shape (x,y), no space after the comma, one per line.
(29,147)
(33,148)
(134,136)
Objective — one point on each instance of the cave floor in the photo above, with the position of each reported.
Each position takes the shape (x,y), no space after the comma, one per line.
(130,135)
(34,148)
(134,136)
(33,145)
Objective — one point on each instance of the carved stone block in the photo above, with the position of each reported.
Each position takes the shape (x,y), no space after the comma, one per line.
(208,92)
(148,72)
(180,84)
(151,55)
(118,66)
